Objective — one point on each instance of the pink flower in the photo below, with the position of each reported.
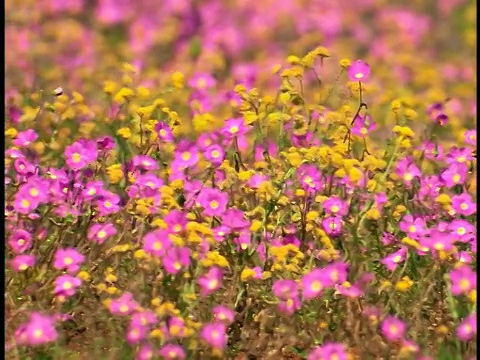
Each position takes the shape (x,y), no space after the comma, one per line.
(69,259)
(108,203)
(213,201)
(335,206)
(391,261)
(234,219)
(66,285)
(22,262)
(362,126)
(144,162)
(455,174)
(175,259)
(215,335)
(20,241)
(359,70)
(463,204)
(136,334)
(176,221)
(223,314)
(233,128)
(156,243)
(328,351)
(164,132)
(467,328)
(172,352)
(289,306)
(285,289)
(40,329)
(393,329)
(215,154)
(186,155)
(332,225)
(81,154)
(124,305)
(25,138)
(313,283)
(407,170)
(211,281)
(101,232)
(463,280)
(414,227)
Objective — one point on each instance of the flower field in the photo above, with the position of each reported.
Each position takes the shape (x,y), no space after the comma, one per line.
(239,179)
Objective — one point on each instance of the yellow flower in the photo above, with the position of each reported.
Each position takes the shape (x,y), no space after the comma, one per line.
(109,87)
(112,290)
(11,133)
(115,173)
(85,276)
(345,63)
(111,278)
(124,133)
(404,131)
(129,68)
(143,92)
(256,225)
(404,285)
(443,199)
(247,274)
(411,114)
(373,214)
(123,94)
(395,105)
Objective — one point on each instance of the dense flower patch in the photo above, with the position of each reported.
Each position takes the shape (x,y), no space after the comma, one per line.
(322,208)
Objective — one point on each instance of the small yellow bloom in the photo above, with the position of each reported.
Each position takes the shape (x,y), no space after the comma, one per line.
(345,63)
(404,285)
(111,278)
(404,131)
(109,87)
(178,80)
(85,276)
(247,274)
(112,290)
(124,133)
(11,133)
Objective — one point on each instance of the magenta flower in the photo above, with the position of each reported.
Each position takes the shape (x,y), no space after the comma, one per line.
(144,162)
(309,177)
(462,230)
(335,273)
(214,334)
(223,314)
(136,334)
(172,352)
(393,329)
(156,243)
(359,70)
(335,206)
(285,289)
(470,137)
(313,283)
(176,221)
(362,126)
(149,184)
(455,174)
(22,262)
(332,225)
(463,204)
(124,305)
(432,151)
(213,201)
(289,306)
(201,81)
(328,351)
(176,326)
(24,204)
(211,281)
(144,318)
(407,170)
(108,203)
(20,241)
(175,259)
(413,227)
(164,132)
(145,352)
(391,261)
(39,330)
(467,328)
(66,285)
(34,190)
(459,155)
(437,240)
(215,154)
(25,138)
(101,232)
(234,219)
(233,128)
(463,280)
(81,154)
(93,189)
(186,155)
(69,259)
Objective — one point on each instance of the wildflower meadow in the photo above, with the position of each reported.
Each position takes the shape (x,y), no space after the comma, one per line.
(239,179)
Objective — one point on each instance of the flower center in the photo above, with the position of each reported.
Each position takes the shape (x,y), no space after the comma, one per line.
(76,157)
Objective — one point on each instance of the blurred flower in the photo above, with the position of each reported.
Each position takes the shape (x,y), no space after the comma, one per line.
(359,70)
(393,329)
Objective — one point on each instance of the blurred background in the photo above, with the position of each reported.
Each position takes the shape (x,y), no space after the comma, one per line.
(420,49)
